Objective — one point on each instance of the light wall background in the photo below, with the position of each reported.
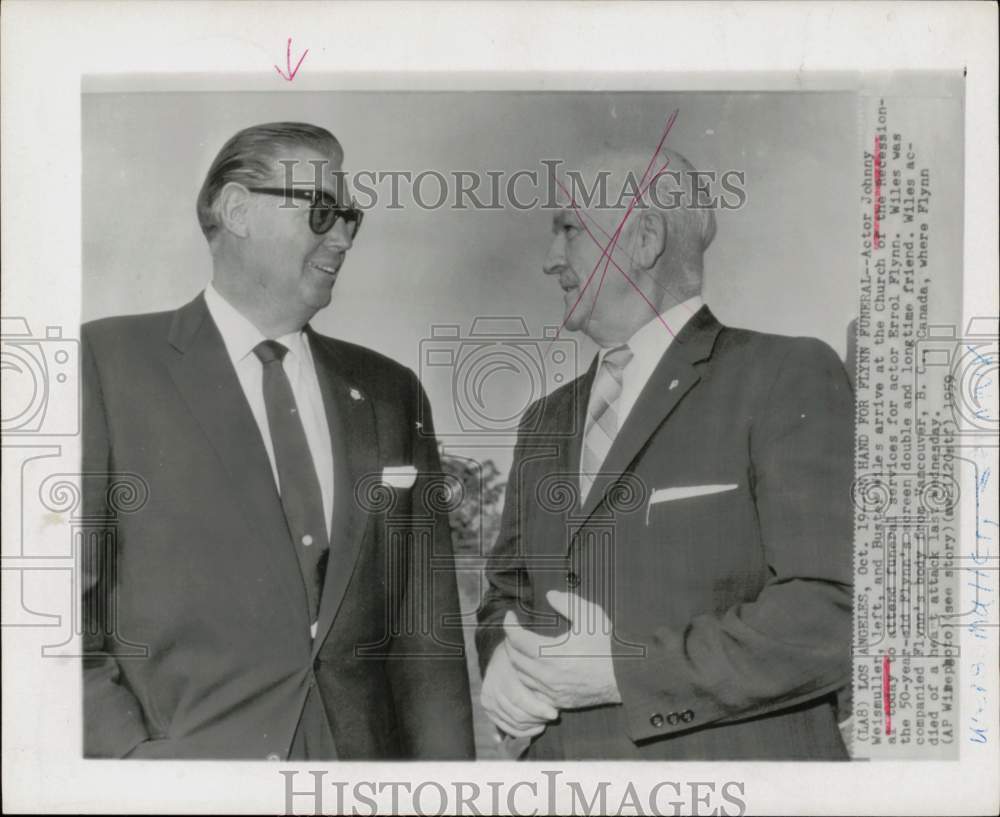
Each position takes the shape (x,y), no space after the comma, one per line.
(784,263)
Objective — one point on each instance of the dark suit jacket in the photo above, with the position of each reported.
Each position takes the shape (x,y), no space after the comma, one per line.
(201,576)
(731,610)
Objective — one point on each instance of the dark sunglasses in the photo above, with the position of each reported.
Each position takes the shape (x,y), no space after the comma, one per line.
(323,209)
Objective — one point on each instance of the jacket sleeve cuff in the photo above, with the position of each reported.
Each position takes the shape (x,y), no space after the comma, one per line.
(656,700)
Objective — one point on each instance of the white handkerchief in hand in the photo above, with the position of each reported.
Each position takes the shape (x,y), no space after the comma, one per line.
(399,476)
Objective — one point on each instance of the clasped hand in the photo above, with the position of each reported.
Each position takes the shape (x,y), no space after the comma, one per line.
(531,677)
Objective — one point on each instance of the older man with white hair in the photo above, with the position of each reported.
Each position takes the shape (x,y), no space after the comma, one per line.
(673,575)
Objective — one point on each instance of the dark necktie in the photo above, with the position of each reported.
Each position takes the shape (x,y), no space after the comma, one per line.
(301,496)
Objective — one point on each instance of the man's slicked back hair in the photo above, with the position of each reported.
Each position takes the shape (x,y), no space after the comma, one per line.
(249,158)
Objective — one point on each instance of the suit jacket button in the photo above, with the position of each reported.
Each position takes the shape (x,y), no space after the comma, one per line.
(657,720)
(572,580)
(274,756)
(687,716)
(673,718)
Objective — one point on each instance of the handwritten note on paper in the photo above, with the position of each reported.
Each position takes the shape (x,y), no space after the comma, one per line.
(982,581)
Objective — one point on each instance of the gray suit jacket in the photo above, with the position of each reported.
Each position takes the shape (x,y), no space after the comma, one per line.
(730,599)
(202,575)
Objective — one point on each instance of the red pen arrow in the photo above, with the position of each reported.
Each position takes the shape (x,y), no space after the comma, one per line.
(291,71)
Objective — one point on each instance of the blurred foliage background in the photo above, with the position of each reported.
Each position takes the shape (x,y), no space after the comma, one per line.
(475,522)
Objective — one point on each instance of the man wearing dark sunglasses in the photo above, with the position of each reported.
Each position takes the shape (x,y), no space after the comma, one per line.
(324,209)
(260,604)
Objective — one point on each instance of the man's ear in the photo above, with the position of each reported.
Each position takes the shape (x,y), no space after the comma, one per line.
(234,207)
(651,239)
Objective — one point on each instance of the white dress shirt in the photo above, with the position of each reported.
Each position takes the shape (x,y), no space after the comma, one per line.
(240,337)
(648,346)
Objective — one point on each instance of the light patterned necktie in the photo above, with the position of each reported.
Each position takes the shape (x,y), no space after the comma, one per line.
(603,416)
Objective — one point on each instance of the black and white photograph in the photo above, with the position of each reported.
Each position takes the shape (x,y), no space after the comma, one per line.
(670,577)
(403,440)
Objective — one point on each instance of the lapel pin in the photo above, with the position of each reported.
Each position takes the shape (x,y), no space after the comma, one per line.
(355,394)
(673,385)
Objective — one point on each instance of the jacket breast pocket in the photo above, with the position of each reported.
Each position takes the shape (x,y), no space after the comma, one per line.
(711,529)
(686,493)
(698,553)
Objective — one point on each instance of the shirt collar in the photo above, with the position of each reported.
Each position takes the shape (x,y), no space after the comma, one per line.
(650,341)
(239,335)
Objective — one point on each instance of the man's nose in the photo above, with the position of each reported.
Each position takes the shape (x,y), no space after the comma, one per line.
(556,258)
(339,237)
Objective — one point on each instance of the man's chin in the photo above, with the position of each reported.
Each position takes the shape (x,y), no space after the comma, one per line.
(575,315)
(319,297)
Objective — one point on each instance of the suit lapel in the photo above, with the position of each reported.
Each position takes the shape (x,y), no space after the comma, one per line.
(561,437)
(350,414)
(674,376)
(206,379)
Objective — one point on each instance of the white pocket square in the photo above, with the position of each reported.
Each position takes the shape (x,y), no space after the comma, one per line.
(399,476)
(685,492)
